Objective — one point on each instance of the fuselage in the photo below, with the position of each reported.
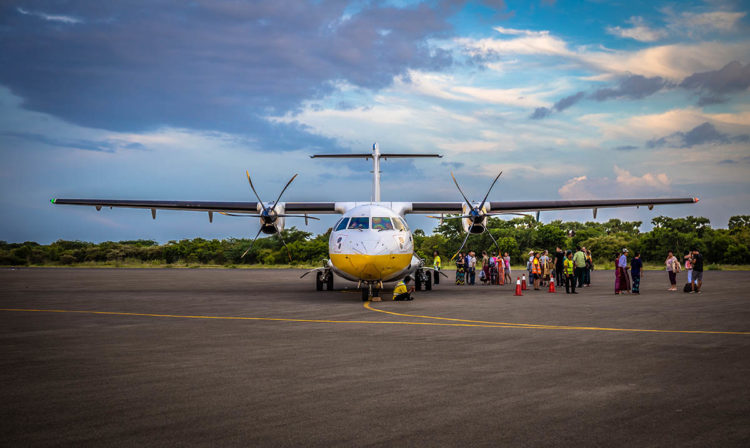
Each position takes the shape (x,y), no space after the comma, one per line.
(371,242)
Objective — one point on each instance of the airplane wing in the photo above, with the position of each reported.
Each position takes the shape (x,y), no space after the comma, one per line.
(202,206)
(500,207)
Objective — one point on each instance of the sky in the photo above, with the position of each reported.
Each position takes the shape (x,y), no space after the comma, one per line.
(172,99)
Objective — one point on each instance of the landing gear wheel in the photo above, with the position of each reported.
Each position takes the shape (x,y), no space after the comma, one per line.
(427,280)
(329,281)
(319,281)
(417,281)
(365,294)
(376,293)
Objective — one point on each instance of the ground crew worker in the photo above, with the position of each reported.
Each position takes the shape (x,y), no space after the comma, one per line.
(437,264)
(402,290)
(536,270)
(570,278)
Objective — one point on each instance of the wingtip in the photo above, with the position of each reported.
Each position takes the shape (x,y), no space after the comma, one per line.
(695,200)
(52,200)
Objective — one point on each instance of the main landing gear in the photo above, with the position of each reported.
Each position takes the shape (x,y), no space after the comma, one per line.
(324,277)
(371,290)
(423,278)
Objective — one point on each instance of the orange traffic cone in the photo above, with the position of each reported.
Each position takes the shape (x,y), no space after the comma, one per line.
(518,288)
(551,284)
(523,282)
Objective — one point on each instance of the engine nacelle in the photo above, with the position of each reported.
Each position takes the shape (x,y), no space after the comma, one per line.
(270,223)
(476,224)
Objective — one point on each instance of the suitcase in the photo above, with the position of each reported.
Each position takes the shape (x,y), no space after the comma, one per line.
(688,287)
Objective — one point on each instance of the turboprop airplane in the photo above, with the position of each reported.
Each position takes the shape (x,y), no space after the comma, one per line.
(371,243)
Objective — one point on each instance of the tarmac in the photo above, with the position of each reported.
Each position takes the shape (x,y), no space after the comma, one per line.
(204,357)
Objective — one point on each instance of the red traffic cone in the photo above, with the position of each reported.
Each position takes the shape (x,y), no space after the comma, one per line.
(518,288)
(523,282)
(551,284)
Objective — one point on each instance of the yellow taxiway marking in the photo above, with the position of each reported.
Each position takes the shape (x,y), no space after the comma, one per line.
(274,319)
(553,327)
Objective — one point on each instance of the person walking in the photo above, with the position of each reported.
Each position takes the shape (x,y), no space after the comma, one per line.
(506,260)
(559,273)
(673,268)
(697,263)
(635,272)
(460,269)
(579,259)
(569,269)
(437,263)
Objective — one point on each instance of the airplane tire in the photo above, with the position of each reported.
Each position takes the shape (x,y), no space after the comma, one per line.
(428,282)
(329,281)
(417,282)
(319,281)
(365,295)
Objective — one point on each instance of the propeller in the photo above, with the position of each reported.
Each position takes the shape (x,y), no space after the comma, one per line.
(475,214)
(268,215)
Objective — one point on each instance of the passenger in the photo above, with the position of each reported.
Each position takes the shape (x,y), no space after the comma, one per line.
(546,267)
(622,265)
(500,265)
(506,260)
(472,264)
(635,271)
(673,268)
(485,275)
(460,269)
(493,269)
(437,264)
(689,266)
(588,269)
(559,272)
(569,269)
(580,264)
(697,262)
(536,270)
(529,264)
(403,290)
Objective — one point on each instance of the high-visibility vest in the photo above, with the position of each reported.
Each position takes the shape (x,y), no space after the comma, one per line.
(400,289)
(436,262)
(536,268)
(568,266)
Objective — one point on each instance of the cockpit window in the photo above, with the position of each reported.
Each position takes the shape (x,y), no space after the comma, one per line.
(381,223)
(398,224)
(362,223)
(342,224)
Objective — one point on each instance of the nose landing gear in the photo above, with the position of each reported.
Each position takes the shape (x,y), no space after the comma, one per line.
(324,277)
(371,290)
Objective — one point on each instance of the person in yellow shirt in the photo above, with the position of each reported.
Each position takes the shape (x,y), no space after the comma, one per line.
(402,290)
(569,270)
(437,264)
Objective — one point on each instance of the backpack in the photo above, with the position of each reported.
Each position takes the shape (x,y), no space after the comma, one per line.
(688,287)
(676,267)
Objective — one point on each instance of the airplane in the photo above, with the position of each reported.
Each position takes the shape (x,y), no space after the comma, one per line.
(371,243)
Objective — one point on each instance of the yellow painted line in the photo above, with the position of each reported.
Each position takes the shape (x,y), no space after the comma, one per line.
(273,319)
(554,327)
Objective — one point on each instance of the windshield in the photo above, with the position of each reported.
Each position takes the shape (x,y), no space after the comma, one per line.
(381,223)
(342,224)
(362,223)
(398,224)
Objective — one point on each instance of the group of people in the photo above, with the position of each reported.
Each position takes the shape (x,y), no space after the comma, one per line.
(573,269)
(493,269)
(694,267)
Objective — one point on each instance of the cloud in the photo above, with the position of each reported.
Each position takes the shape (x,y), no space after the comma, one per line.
(624,183)
(694,24)
(70,20)
(219,65)
(702,134)
(559,106)
(715,85)
(639,31)
(632,87)
(108,145)
(626,148)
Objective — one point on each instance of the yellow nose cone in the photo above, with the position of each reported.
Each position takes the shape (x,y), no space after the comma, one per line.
(371,267)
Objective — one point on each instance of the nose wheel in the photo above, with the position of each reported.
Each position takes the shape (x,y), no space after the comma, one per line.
(324,278)
(371,291)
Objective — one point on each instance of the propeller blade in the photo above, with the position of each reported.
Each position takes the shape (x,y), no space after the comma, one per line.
(253,188)
(251,244)
(288,252)
(284,215)
(461,191)
(450,217)
(464,243)
(282,191)
(488,191)
(497,246)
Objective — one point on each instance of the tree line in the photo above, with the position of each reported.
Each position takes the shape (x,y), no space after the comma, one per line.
(516,236)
